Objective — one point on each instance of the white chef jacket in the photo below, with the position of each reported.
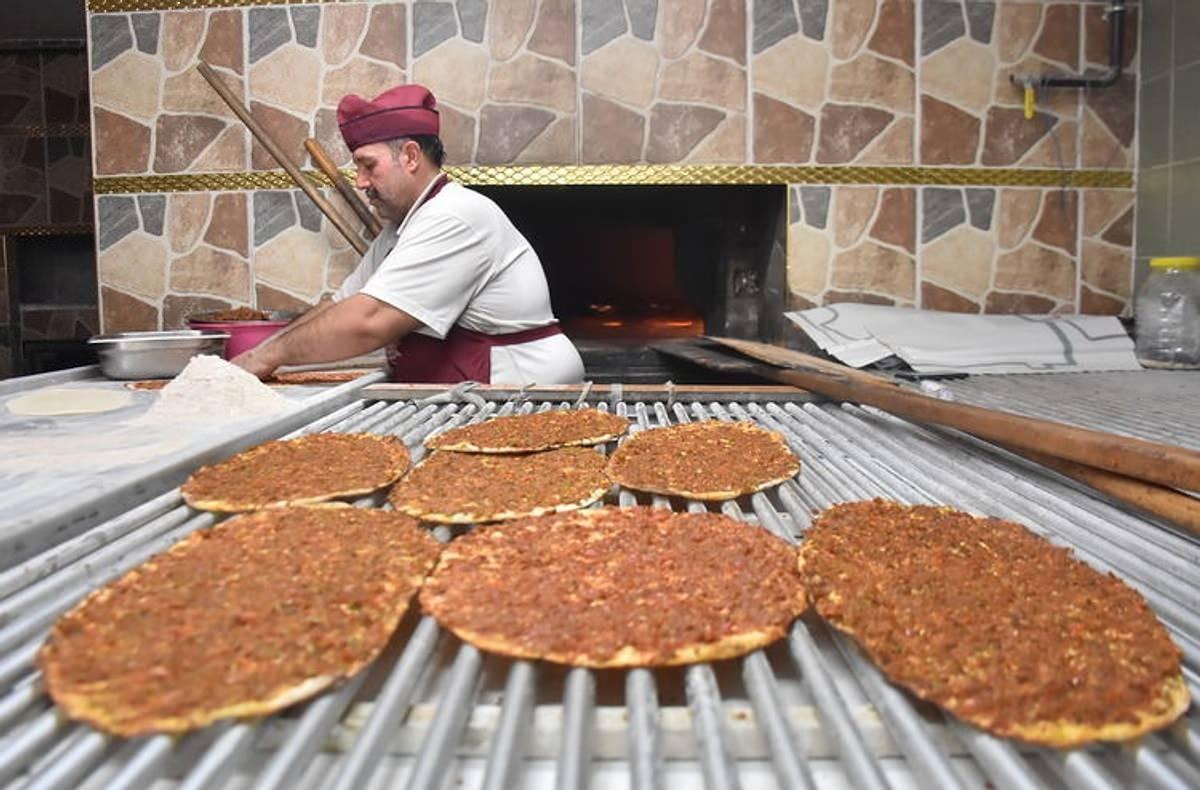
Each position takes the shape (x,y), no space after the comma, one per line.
(457,259)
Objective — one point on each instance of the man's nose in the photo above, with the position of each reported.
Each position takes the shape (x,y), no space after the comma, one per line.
(360,180)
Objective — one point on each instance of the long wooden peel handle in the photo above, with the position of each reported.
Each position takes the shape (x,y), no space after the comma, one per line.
(1165,464)
(326,166)
(1166,503)
(277,153)
(1159,463)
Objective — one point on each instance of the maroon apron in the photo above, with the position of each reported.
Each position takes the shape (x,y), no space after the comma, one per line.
(465,355)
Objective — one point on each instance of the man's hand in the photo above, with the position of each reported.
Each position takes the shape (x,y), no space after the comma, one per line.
(257,360)
(353,326)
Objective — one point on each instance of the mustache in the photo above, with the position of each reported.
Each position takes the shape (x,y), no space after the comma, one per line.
(371,193)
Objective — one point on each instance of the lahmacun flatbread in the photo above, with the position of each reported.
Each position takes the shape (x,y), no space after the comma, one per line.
(994,623)
(316,376)
(296,377)
(239,620)
(617,587)
(303,471)
(707,460)
(518,433)
(468,488)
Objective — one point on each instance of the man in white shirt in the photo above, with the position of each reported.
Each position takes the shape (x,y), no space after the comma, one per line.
(450,287)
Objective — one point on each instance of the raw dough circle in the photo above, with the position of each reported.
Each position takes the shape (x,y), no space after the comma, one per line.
(52,402)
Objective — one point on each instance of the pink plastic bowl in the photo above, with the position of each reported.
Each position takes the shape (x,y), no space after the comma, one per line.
(243,335)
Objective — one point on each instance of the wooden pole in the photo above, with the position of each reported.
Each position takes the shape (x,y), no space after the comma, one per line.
(352,198)
(1165,503)
(274,149)
(1161,501)
(1165,464)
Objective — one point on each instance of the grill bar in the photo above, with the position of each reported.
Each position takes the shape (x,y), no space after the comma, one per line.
(389,707)
(508,745)
(146,766)
(218,763)
(309,734)
(929,761)
(848,452)
(645,760)
(1080,769)
(787,751)
(18,752)
(453,708)
(999,759)
(579,707)
(80,752)
(704,699)
(1154,771)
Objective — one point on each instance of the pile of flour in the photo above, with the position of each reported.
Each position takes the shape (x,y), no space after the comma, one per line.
(210,388)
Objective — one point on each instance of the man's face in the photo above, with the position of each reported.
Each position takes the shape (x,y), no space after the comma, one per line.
(387,177)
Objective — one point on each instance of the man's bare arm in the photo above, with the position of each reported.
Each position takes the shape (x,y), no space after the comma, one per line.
(331,332)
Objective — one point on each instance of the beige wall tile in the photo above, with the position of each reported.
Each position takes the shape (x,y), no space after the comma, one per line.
(872,80)
(530,79)
(808,260)
(207,270)
(679,25)
(793,71)
(960,260)
(456,72)
(626,70)
(962,73)
(290,77)
(705,80)
(137,264)
(129,85)
(295,261)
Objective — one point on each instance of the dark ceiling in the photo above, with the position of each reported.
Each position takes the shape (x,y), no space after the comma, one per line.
(23,20)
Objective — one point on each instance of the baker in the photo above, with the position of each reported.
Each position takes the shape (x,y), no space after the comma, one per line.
(450,287)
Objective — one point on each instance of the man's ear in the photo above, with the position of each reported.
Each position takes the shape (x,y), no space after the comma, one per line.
(411,155)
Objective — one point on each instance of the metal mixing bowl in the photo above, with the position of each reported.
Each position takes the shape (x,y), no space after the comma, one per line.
(153,355)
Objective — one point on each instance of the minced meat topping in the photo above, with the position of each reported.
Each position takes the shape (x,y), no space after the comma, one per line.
(317,465)
(579,587)
(239,611)
(466,487)
(703,458)
(542,430)
(986,618)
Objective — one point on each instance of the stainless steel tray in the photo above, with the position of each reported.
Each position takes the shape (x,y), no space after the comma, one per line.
(148,355)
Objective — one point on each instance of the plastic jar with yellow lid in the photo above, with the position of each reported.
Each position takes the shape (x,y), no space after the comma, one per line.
(1167,310)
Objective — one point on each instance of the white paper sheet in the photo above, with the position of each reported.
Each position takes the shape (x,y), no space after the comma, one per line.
(937,342)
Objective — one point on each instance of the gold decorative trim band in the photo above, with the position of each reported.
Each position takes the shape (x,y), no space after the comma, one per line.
(652,175)
(119,6)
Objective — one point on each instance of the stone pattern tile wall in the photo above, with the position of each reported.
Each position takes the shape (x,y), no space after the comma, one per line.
(45,179)
(989,249)
(826,82)
(163,257)
(834,81)
(506,76)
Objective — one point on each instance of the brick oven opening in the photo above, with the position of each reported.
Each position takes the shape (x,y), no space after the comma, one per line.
(632,265)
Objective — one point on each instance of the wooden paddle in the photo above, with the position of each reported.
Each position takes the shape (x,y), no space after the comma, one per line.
(352,198)
(1164,464)
(277,153)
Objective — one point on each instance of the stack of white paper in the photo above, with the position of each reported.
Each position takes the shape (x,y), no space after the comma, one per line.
(937,342)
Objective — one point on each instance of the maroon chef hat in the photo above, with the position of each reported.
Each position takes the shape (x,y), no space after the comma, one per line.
(403,111)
